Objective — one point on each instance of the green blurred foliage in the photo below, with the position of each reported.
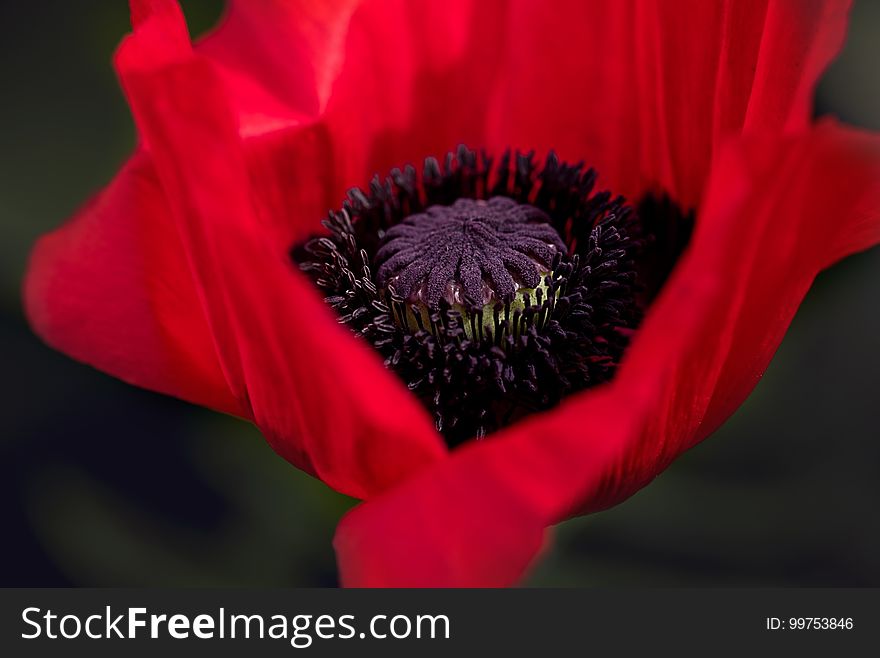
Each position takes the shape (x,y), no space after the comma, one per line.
(105,484)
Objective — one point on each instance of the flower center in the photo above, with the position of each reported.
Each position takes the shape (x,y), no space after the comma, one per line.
(472,254)
(492,289)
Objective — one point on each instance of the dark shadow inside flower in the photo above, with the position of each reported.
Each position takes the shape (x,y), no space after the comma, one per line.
(494,288)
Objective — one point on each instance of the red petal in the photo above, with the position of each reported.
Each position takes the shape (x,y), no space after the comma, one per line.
(644,91)
(324,401)
(112,288)
(291,51)
(392,81)
(776,212)
(175,273)
(415,83)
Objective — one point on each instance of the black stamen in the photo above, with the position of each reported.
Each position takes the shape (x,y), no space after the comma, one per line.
(491,291)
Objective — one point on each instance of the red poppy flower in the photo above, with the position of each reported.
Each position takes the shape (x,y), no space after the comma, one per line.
(177,276)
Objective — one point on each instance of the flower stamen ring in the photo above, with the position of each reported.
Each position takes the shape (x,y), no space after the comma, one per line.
(491,290)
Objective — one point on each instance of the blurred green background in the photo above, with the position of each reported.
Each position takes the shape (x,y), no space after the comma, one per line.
(105,484)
